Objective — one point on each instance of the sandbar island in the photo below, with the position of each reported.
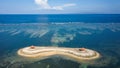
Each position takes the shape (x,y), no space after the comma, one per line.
(74,53)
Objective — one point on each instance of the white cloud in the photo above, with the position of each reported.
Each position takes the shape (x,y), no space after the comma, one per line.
(63,6)
(44,5)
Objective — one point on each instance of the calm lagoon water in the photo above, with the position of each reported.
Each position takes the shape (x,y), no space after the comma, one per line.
(100,36)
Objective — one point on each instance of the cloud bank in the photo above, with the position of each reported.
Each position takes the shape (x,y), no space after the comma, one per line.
(44,5)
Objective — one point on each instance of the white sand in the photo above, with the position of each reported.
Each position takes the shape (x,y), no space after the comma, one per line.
(72,53)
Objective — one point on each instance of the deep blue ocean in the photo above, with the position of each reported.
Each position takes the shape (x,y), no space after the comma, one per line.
(100,32)
(48,18)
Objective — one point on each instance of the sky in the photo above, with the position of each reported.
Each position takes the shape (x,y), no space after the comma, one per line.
(59,6)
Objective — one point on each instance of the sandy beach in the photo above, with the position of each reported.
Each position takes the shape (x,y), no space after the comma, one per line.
(73,53)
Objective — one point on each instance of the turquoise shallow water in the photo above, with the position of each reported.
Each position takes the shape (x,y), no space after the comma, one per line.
(102,37)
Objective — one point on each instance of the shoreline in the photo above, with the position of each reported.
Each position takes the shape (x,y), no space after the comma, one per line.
(73,53)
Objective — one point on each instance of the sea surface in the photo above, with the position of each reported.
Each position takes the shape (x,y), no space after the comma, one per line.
(100,32)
